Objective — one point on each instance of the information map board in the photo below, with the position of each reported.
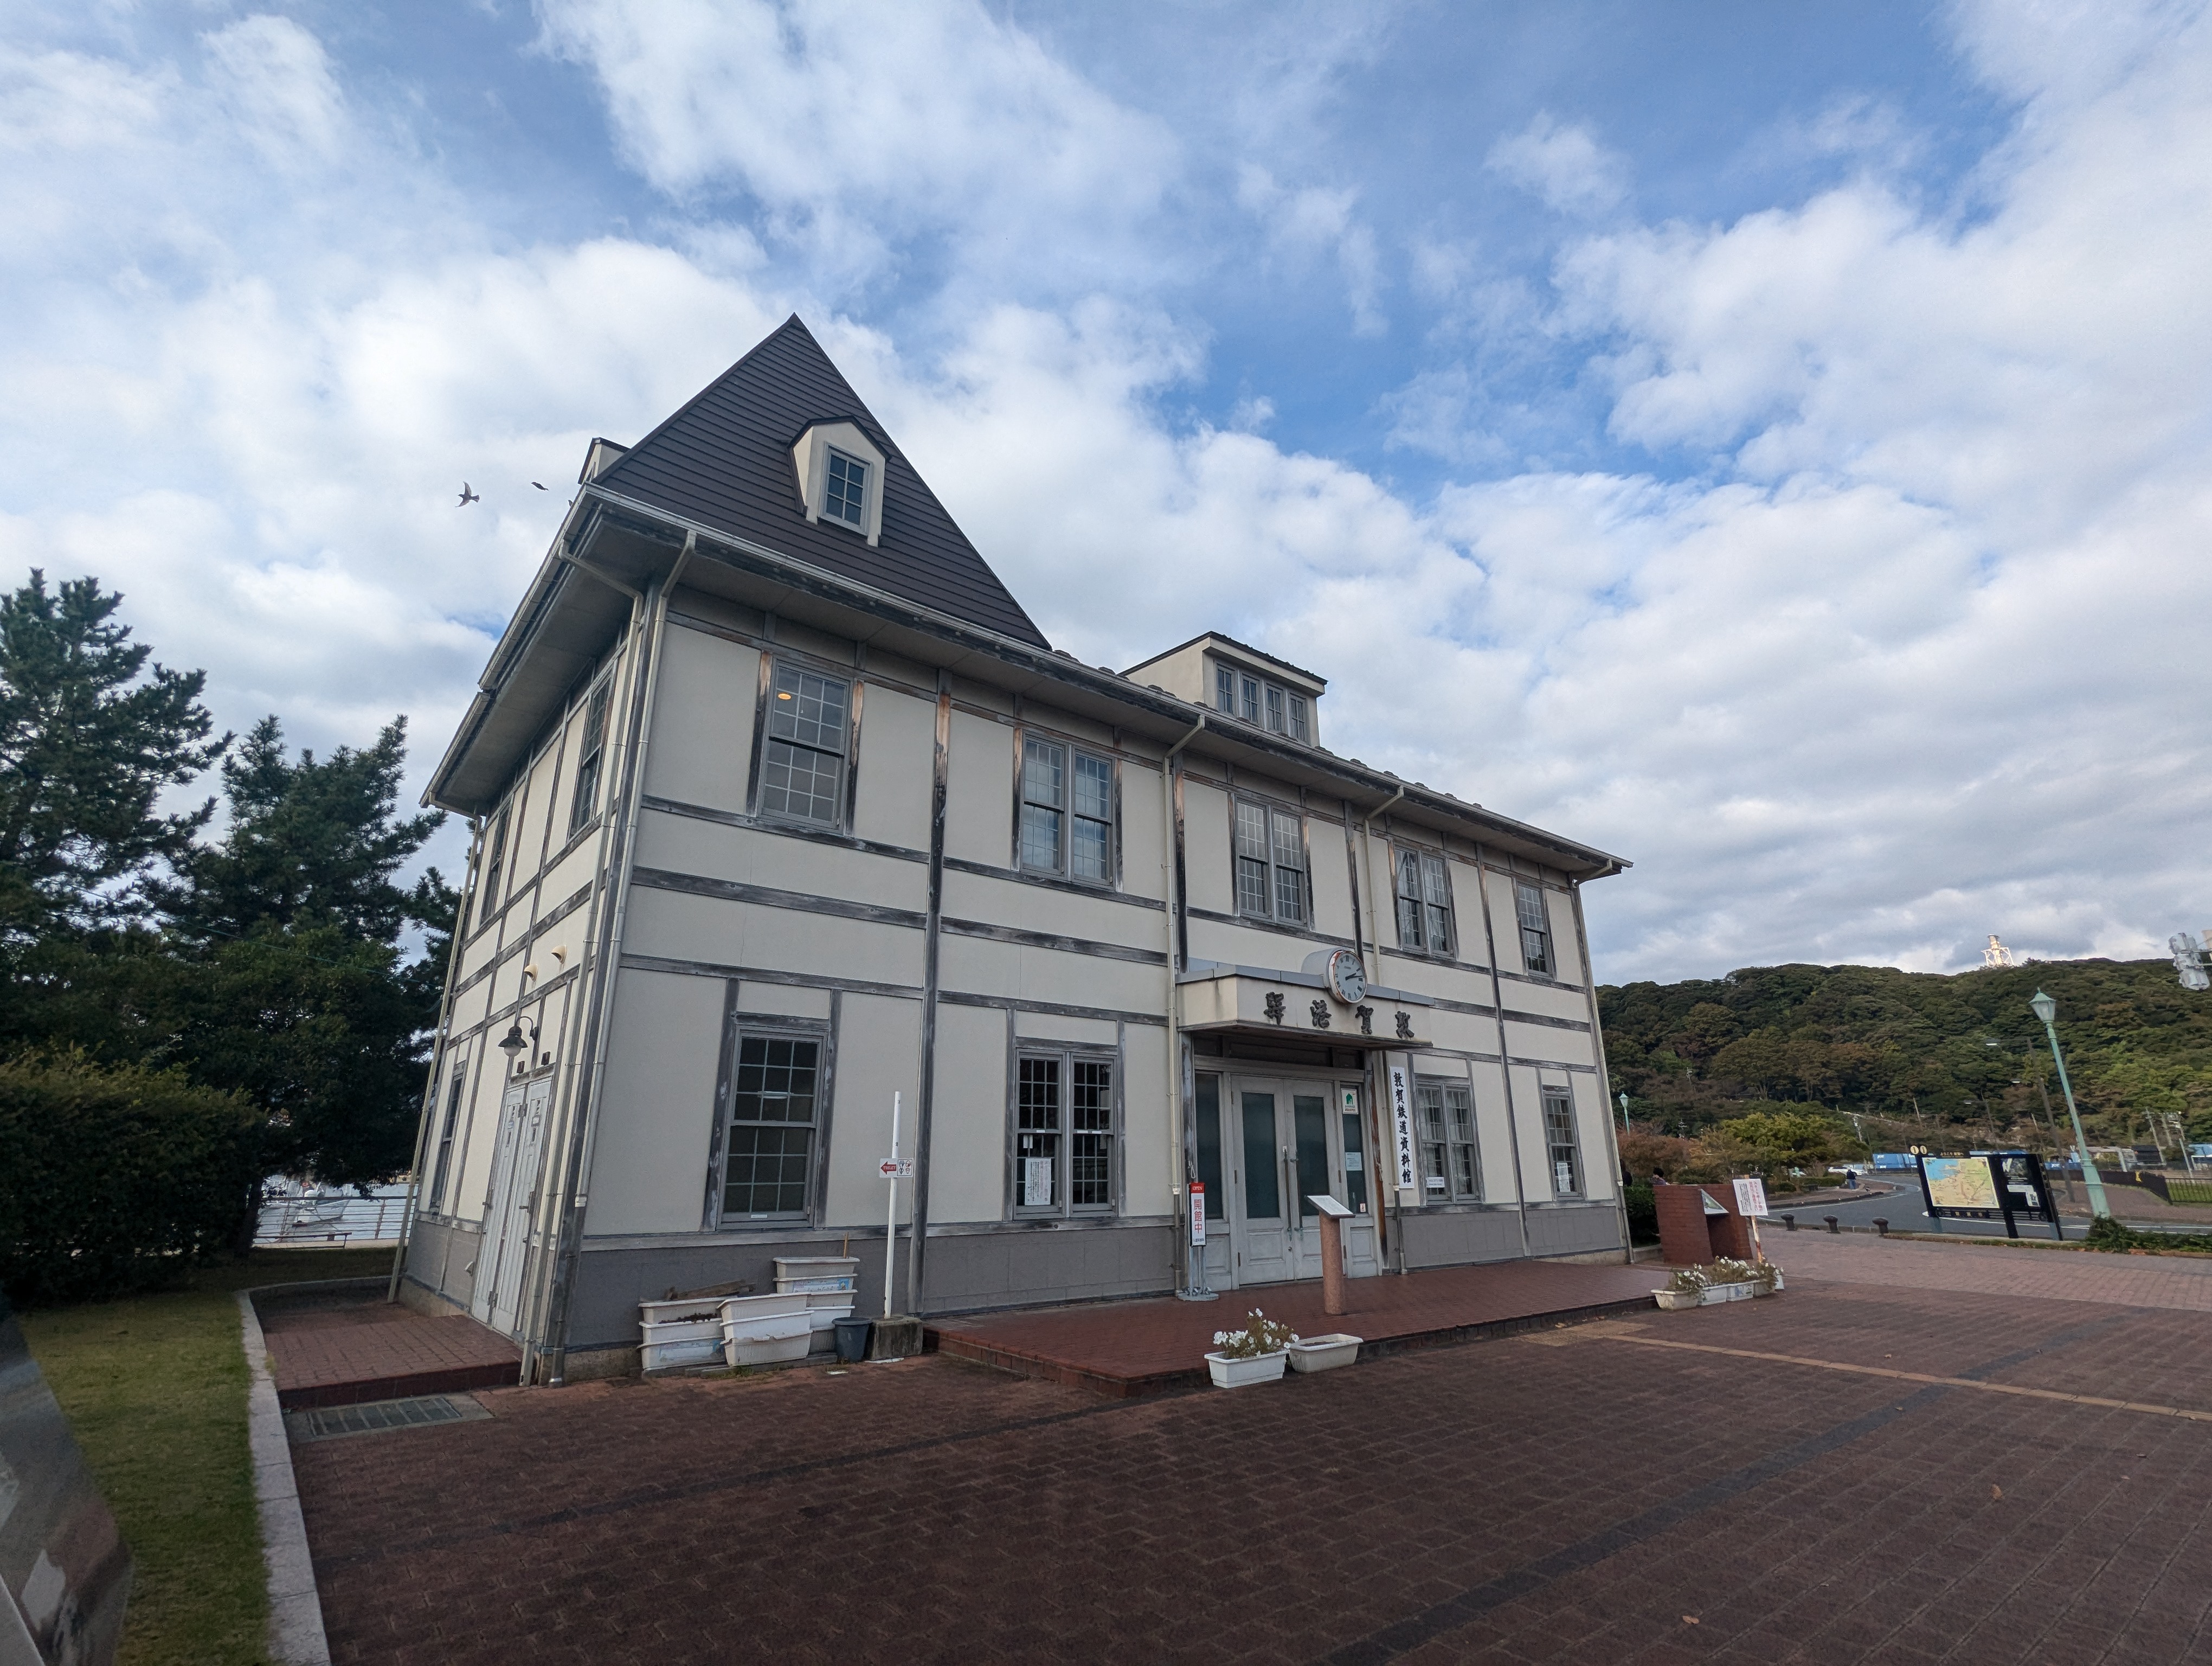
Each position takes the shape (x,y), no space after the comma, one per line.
(1999,1185)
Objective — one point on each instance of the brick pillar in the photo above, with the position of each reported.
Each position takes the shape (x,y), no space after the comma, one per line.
(1684,1239)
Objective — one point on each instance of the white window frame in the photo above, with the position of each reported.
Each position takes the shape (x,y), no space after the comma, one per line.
(729,1121)
(1285,832)
(441,1164)
(837,462)
(809,458)
(1425,925)
(786,682)
(590,758)
(1444,1108)
(1064,802)
(1095,1097)
(493,869)
(1536,923)
(1562,1144)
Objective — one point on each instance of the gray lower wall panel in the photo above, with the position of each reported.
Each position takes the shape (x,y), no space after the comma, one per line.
(1017,1267)
(442,1254)
(1456,1240)
(1569,1230)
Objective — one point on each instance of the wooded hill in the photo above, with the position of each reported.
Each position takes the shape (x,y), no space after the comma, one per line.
(1948,1058)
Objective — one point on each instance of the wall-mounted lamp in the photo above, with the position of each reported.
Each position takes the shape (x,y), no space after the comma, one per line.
(515,1042)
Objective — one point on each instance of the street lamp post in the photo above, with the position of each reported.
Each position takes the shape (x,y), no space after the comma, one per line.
(2047,1009)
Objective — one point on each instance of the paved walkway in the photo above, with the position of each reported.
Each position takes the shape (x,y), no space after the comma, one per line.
(345,1353)
(1832,1477)
(1139,1348)
(2053,1274)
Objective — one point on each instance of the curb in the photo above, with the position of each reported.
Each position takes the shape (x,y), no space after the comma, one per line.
(295,1612)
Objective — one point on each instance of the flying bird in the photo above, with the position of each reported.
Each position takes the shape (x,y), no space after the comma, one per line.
(468,496)
(541,485)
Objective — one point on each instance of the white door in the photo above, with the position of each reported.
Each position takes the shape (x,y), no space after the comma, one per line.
(496,1198)
(515,1201)
(1261,1204)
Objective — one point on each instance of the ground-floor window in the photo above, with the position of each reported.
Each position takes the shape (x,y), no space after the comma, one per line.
(1063,1134)
(1208,1140)
(1451,1169)
(446,1136)
(769,1152)
(1559,1139)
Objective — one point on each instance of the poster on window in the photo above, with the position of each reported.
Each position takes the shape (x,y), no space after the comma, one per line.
(1036,1183)
(1402,1129)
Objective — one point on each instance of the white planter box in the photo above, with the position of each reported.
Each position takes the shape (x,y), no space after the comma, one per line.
(696,1351)
(1236,1373)
(735,1308)
(813,1272)
(1715,1294)
(657,1313)
(815,1286)
(825,1307)
(769,1350)
(763,1325)
(685,1331)
(1314,1354)
(1676,1300)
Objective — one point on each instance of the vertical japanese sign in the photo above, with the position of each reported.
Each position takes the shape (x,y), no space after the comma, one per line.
(1197,1215)
(1402,1129)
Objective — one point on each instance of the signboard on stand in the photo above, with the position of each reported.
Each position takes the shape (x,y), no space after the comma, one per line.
(1751,1197)
(1401,1130)
(2004,1185)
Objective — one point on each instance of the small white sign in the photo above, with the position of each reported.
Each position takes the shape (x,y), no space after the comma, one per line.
(1036,1183)
(1197,1216)
(896,1167)
(1328,1205)
(1751,1197)
(1402,1129)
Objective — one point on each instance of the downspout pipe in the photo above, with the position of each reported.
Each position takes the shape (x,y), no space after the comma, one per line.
(1375,1084)
(573,1195)
(1604,1073)
(437,1058)
(1178,1156)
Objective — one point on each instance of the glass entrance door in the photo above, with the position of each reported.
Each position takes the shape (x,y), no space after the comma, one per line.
(1261,1225)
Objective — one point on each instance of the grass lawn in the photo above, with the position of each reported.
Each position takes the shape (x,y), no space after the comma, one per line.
(155,1388)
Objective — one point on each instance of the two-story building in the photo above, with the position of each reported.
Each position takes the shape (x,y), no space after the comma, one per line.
(783,806)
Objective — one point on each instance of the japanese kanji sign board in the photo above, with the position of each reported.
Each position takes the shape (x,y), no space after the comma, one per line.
(1402,1129)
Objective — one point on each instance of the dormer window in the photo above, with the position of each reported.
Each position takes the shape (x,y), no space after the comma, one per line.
(841,478)
(1267,705)
(847,499)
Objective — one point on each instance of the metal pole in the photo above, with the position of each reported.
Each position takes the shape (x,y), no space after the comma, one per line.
(891,1215)
(2089,1176)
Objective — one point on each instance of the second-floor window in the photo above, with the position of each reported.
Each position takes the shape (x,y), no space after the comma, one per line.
(1271,863)
(1067,811)
(1535,928)
(1424,903)
(803,763)
(591,758)
(488,887)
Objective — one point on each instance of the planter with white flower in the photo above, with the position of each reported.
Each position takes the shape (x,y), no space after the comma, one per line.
(1725,1280)
(1254,1354)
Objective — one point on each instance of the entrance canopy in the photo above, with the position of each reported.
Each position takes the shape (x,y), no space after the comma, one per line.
(1259,1002)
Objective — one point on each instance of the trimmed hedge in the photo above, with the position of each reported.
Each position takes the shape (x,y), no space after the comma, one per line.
(114,1179)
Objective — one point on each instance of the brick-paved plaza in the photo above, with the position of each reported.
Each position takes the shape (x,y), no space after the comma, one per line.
(1584,1494)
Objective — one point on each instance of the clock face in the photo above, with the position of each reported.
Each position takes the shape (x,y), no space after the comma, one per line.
(1347,977)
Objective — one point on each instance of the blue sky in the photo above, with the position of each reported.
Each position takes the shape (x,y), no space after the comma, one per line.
(1769,442)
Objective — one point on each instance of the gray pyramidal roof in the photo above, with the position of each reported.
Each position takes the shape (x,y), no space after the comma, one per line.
(724,461)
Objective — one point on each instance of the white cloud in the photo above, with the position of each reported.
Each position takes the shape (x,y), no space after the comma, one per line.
(1319,220)
(1563,164)
(858,124)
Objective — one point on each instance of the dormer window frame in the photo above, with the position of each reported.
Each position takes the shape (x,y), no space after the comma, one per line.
(851,448)
(1264,702)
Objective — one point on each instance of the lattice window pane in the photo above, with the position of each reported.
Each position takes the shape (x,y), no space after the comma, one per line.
(847,498)
(1275,708)
(771,1143)
(799,783)
(1091,850)
(1091,1148)
(1224,689)
(1041,830)
(1560,1136)
(1300,729)
(808,708)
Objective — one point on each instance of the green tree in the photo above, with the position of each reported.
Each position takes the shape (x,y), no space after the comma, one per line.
(89,737)
(315,975)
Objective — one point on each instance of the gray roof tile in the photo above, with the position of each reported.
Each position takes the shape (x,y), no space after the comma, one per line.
(724,461)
